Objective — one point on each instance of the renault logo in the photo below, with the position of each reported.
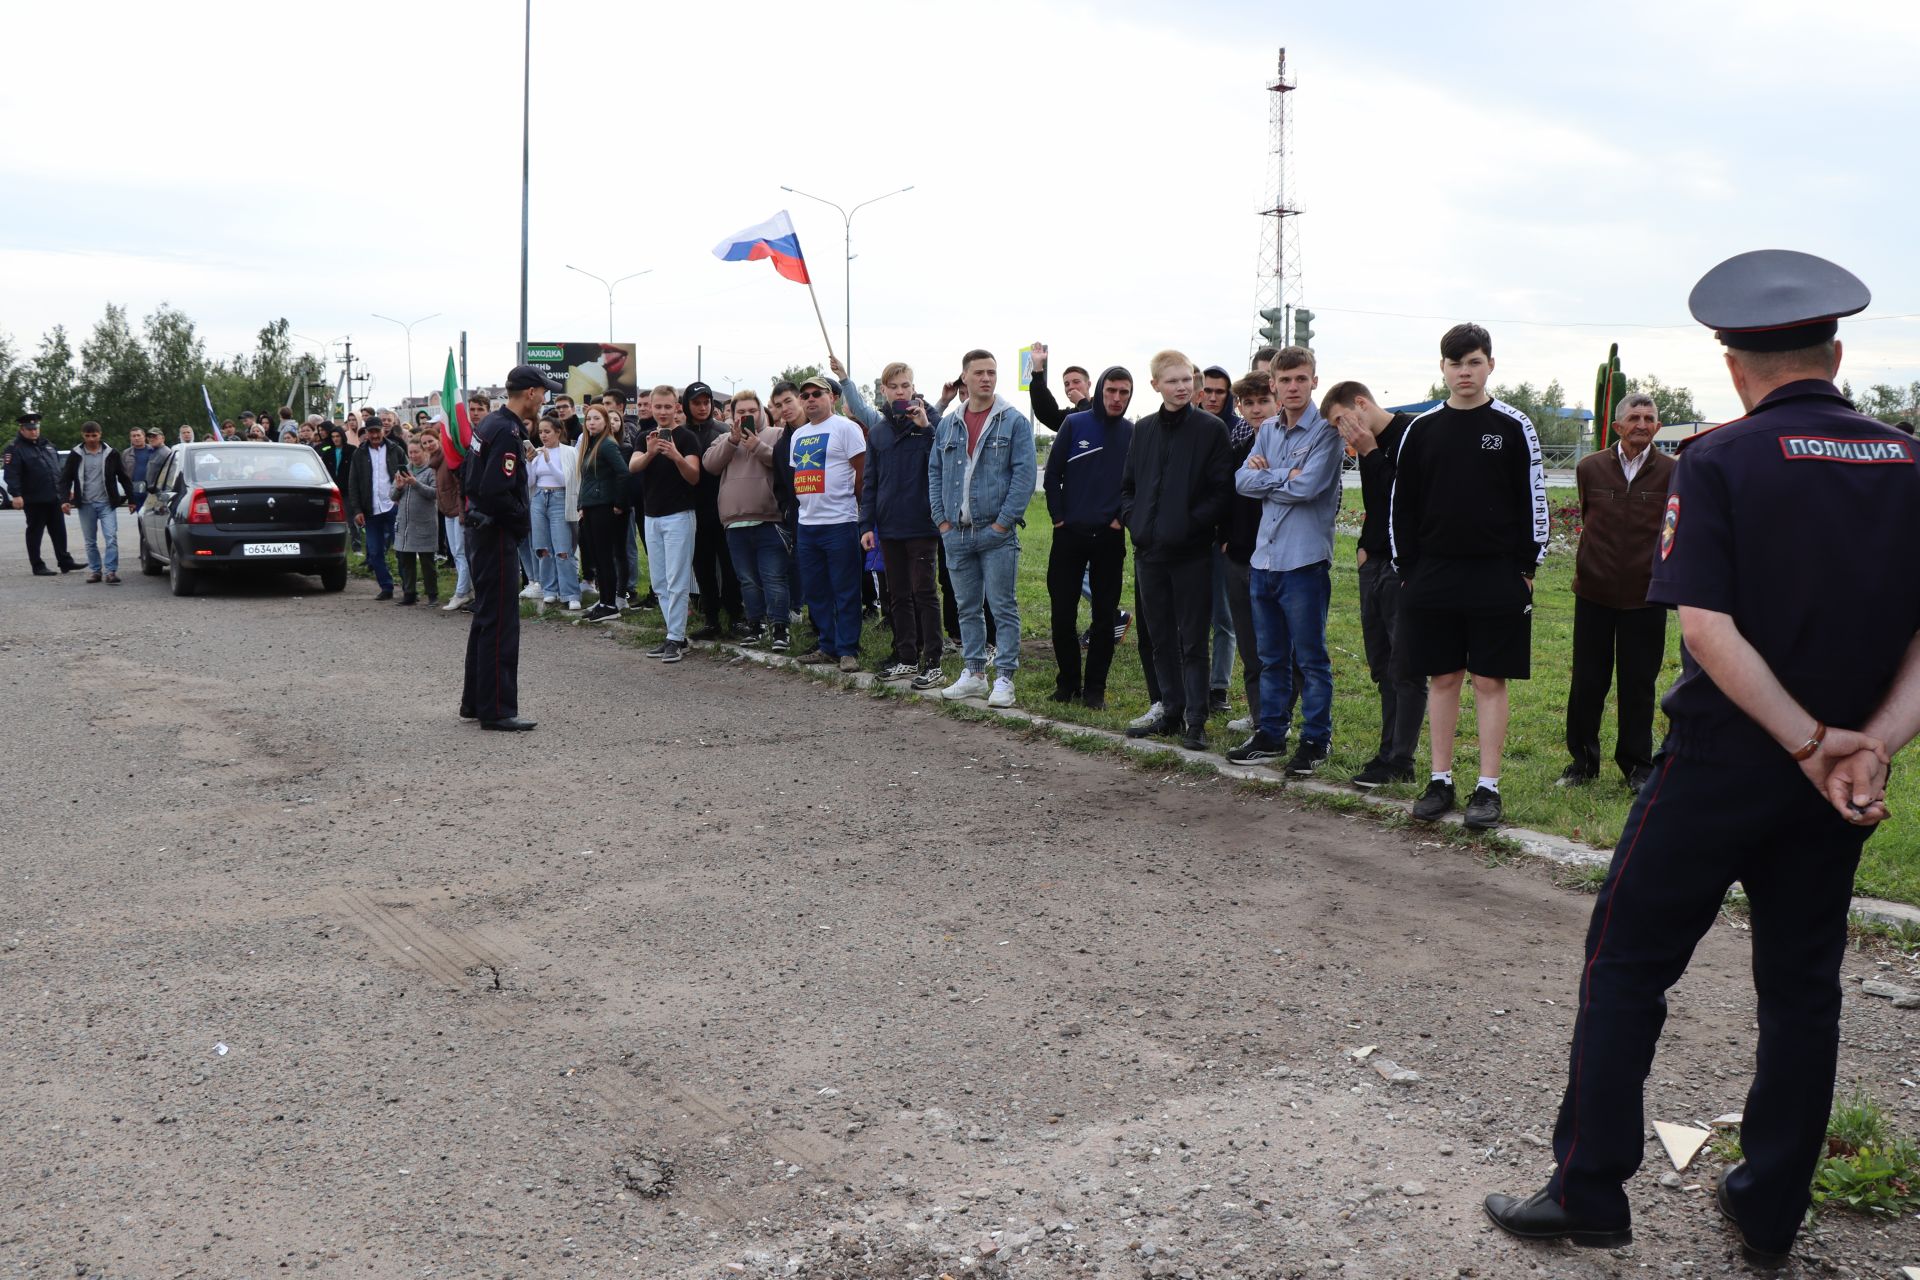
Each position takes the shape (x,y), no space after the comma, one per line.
(269,503)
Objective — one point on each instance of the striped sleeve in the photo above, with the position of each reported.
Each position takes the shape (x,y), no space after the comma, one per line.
(1540,523)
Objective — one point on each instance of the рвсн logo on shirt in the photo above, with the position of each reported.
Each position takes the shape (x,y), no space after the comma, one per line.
(1492,441)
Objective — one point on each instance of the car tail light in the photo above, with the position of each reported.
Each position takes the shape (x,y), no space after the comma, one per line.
(198,511)
(336,509)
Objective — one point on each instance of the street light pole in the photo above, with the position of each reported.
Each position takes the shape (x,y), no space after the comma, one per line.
(408,326)
(526,118)
(846,218)
(609,288)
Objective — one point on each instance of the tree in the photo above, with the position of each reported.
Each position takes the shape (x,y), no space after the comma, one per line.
(797,374)
(115,386)
(178,363)
(50,385)
(1887,403)
(1672,403)
(13,384)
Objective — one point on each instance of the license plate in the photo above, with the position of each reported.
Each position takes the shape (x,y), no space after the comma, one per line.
(270,549)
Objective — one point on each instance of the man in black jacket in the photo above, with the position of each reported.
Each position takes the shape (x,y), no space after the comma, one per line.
(1075,382)
(896,517)
(712,566)
(32,468)
(95,483)
(1082,484)
(370,497)
(1173,496)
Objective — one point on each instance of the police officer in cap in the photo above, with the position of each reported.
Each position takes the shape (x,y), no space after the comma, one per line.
(495,484)
(1791,693)
(31,468)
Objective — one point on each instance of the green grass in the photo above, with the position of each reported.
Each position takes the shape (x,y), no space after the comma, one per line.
(1535,754)
(1867,1168)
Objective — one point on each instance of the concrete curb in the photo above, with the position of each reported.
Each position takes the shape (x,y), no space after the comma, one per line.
(1535,844)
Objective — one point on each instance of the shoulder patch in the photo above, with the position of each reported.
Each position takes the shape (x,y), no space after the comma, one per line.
(1670,525)
(507,463)
(1858,452)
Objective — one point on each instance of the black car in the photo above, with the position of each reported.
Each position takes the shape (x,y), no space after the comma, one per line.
(239,507)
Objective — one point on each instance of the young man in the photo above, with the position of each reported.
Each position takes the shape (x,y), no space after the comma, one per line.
(1294,470)
(1082,484)
(1074,381)
(1374,436)
(750,510)
(669,468)
(95,483)
(370,497)
(712,566)
(1239,535)
(1469,527)
(1173,495)
(979,482)
(563,405)
(139,454)
(895,517)
(785,407)
(1215,396)
(828,454)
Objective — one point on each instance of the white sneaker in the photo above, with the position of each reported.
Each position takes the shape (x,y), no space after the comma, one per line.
(1002,695)
(549,599)
(971,684)
(1243,725)
(532,591)
(573,605)
(1152,716)
(454,605)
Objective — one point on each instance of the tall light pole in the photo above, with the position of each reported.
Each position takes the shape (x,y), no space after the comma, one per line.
(609,287)
(846,217)
(408,326)
(526,152)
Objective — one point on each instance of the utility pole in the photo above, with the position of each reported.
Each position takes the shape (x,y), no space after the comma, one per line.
(1277,285)
(608,285)
(408,326)
(526,166)
(846,217)
(349,362)
(697,357)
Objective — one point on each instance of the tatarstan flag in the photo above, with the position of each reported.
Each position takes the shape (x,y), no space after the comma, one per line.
(456,425)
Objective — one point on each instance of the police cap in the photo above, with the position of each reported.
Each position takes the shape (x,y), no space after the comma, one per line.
(1776,300)
(524,377)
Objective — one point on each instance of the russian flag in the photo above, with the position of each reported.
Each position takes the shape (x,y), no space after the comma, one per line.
(774,239)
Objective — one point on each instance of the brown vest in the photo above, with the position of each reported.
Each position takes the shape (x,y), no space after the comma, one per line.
(1619,527)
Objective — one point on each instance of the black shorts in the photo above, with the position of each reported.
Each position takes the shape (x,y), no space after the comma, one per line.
(1468,615)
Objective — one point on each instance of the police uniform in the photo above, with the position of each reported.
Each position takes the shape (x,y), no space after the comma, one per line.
(1765,520)
(495,489)
(32,475)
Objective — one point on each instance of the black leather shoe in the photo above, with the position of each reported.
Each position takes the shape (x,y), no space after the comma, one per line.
(1766,1259)
(1539,1217)
(1164,727)
(69,566)
(41,571)
(513,724)
(467,713)
(1638,779)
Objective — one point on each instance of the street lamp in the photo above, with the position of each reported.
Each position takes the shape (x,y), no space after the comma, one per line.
(846,216)
(608,284)
(408,326)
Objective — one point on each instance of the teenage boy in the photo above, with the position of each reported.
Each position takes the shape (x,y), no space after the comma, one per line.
(1294,470)
(1374,435)
(1239,535)
(828,454)
(1082,484)
(712,566)
(1074,381)
(896,517)
(1468,529)
(1215,395)
(669,471)
(1173,494)
(979,481)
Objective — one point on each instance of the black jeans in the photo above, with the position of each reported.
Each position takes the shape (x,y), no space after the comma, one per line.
(46,516)
(1143,638)
(1403,695)
(713,570)
(600,548)
(1639,638)
(1176,603)
(1099,553)
(916,602)
(1247,640)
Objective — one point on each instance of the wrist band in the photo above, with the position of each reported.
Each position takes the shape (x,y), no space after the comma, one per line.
(1812,745)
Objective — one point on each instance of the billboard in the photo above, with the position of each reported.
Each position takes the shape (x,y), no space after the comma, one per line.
(590,369)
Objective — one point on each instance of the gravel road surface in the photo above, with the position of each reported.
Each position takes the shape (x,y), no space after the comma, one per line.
(723,971)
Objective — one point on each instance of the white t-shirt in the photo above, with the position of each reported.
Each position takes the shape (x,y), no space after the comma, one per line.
(822,458)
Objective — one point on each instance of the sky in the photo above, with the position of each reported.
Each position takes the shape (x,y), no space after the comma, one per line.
(1089,176)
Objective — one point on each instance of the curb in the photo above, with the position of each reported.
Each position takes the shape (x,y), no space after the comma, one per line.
(1534,844)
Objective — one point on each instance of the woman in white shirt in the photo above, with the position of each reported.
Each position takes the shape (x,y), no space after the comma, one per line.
(553,482)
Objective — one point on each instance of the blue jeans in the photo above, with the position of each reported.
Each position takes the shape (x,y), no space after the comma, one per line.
(670,562)
(830,558)
(100,522)
(553,544)
(528,564)
(984,565)
(759,555)
(1290,615)
(457,545)
(379,542)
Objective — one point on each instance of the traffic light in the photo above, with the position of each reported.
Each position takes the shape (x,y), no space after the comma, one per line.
(1302,327)
(1273,332)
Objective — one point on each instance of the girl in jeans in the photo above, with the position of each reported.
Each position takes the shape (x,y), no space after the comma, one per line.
(553,481)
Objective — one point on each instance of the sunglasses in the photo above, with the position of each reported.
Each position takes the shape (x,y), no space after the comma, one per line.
(812,393)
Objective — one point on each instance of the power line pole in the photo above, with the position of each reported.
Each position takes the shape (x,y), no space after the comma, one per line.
(526,167)
(349,363)
(1277,283)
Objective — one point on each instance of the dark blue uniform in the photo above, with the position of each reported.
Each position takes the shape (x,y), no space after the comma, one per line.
(1777,520)
(496,496)
(32,469)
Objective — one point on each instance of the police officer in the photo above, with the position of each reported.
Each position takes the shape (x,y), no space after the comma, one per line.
(32,470)
(1794,634)
(496,520)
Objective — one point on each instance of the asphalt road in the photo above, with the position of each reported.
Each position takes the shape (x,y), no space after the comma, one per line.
(725,968)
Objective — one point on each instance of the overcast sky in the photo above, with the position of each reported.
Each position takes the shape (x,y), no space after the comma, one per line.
(1088,175)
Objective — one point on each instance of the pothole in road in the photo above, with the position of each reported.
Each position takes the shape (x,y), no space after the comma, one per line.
(645,1173)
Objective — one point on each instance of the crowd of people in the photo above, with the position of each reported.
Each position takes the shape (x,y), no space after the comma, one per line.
(818,507)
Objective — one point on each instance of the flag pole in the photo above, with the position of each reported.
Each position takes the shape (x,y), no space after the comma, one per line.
(816,315)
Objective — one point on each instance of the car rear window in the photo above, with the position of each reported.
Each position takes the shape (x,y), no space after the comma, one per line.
(255,464)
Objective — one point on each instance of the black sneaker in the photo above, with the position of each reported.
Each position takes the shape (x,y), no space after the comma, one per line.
(1121,622)
(602,612)
(1194,738)
(930,677)
(1164,727)
(750,633)
(1218,704)
(1064,695)
(675,650)
(897,671)
(1095,701)
(1307,758)
(1436,803)
(708,632)
(780,642)
(659,650)
(1573,776)
(1639,778)
(1483,810)
(1257,750)
(1379,773)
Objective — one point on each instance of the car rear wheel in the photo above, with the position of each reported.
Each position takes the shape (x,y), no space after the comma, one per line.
(183,580)
(148,565)
(333,577)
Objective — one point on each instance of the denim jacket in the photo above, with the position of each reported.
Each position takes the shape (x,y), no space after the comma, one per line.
(1003,472)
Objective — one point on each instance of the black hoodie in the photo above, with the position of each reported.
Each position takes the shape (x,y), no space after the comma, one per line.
(1047,410)
(1240,531)
(1087,462)
(707,497)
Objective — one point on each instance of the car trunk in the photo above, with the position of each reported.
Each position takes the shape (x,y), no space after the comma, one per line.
(267,510)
